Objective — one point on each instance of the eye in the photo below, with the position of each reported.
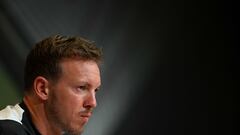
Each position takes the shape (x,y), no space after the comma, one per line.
(96,90)
(83,87)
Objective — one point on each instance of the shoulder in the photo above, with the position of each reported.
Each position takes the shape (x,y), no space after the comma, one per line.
(10,121)
(9,127)
(13,113)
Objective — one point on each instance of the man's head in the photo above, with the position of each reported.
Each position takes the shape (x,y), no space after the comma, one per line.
(64,74)
(44,59)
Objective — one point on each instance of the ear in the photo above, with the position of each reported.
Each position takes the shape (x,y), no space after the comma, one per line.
(40,87)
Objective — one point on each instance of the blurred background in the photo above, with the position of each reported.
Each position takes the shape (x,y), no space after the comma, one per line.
(170,67)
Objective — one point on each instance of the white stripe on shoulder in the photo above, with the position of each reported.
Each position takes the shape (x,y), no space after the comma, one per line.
(14,113)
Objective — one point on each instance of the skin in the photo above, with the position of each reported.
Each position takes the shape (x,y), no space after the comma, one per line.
(65,105)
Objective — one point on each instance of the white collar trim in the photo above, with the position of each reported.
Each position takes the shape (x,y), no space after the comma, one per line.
(14,113)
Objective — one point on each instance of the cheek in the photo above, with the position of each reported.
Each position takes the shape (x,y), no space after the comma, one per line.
(72,102)
(69,101)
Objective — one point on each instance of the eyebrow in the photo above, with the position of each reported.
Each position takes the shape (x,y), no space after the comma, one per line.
(88,84)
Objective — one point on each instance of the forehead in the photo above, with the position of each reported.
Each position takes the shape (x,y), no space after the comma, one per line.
(80,70)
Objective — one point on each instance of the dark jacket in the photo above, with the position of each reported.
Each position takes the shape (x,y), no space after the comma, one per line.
(16,120)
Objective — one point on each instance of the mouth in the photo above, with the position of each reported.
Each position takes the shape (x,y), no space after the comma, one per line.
(85,116)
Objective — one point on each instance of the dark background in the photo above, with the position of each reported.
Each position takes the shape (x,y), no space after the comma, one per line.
(171,67)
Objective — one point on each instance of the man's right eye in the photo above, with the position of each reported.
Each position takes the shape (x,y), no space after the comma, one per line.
(82,87)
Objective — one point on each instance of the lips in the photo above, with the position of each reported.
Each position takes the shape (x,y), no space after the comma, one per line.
(86,115)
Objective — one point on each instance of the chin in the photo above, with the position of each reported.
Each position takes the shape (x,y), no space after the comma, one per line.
(75,131)
(75,128)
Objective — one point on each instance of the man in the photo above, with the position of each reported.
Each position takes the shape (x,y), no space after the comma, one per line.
(61,79)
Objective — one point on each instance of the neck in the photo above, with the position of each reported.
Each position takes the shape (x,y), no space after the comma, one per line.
(38,116)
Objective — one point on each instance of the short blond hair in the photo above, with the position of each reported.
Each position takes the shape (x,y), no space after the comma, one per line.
(44,58)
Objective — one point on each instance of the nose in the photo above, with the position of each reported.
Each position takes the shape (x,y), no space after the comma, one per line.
(90,101)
